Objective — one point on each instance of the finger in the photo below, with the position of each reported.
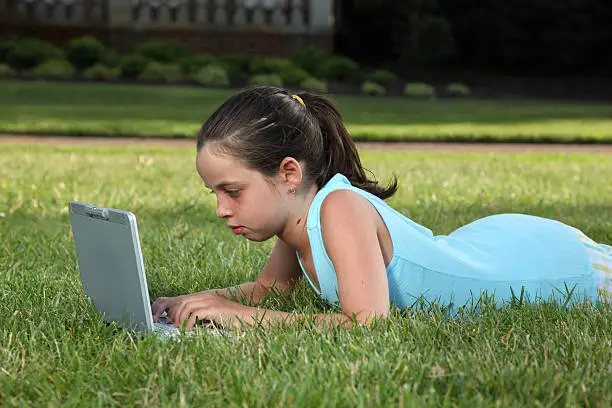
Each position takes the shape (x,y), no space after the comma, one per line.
(158,307)
(177,311)
(192,319)
(188,311)
(193,310)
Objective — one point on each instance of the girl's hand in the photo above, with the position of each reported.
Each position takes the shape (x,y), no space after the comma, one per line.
(205,306)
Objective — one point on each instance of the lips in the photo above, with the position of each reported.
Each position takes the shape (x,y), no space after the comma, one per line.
(237,229)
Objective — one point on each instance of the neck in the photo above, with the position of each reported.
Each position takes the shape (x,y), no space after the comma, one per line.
(295,233)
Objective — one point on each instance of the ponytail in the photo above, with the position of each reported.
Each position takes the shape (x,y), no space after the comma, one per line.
(340,150)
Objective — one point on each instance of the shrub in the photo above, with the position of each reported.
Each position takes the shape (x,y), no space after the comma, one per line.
(382,77)
(6,71)
(158,72)
(419,90)
(269,79)
(132,66)
(54,69)
(309,58)
(194,63)
(270,65)
(212,75)
(340,69)
(314,84)
(29,53)
(111,59)
(293,75)
(373,89)
(458,89)
(101,72)
(237,65)
(6,47)
(84,52)
(162,51)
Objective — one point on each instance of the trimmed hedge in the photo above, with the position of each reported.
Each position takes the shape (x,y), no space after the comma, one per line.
(194,63)
(419,90)
(265,66)
(382,77)
(314,84)
(132,66)
(309,58)
(158,72)
(29,53)
(85,52)
(212,75)
(101,72)
(6,71)
(270,79)
(163,51)
(340,69)
(293,75)
(6,47)
(54,69)
(373,89)
(458,89)
(237,65)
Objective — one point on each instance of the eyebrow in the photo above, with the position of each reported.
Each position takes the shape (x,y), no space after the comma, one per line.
(222,184)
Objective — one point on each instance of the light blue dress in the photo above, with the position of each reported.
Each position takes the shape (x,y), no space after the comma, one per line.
(497,254)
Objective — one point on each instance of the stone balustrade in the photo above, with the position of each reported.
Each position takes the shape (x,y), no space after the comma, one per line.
(291,16)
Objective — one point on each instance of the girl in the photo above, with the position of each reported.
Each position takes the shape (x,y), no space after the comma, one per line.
(284,165)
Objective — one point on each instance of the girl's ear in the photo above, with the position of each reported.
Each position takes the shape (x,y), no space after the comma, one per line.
(290,172)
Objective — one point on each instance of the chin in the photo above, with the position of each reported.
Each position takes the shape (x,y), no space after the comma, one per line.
(257,237)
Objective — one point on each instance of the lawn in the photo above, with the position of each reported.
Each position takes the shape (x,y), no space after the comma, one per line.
(55,349)
(120,110)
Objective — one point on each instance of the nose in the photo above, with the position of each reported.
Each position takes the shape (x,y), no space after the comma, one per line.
(223,210)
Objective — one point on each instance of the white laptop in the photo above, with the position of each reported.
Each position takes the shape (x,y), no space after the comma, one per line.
(112,270)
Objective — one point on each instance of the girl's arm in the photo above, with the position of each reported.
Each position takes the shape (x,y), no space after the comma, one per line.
(349,225)
(279,275)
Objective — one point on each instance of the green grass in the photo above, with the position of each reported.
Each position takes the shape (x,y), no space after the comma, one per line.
(120,110)
(55,349)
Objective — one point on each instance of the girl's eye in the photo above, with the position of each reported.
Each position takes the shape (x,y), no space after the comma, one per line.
(233,193)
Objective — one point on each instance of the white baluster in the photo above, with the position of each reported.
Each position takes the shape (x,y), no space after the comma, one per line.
(278,16)
(163,13)
(259,17)
(144,19)
(201,15)
(240,14)
(220,13)
(78,10)
(297,17)
(182,8)
(321,15)
(120,12)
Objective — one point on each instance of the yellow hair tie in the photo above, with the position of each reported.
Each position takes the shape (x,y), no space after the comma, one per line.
(297,98)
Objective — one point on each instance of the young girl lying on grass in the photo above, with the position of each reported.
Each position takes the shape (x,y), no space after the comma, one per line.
(284,165)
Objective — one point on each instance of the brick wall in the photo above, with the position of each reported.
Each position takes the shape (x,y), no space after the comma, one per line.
(258,43)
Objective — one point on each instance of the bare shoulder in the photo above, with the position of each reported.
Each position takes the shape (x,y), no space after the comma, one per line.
(342,205)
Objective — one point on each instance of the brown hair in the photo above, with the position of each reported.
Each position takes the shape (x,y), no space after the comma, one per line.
(264,124)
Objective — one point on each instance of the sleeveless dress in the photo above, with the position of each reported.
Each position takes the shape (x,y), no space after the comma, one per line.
(499,254)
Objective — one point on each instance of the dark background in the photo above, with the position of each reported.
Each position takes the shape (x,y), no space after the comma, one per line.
(499,37)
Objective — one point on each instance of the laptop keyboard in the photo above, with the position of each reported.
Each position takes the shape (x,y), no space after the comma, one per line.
(165,329)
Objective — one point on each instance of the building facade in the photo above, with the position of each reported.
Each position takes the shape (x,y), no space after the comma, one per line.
(258,27)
